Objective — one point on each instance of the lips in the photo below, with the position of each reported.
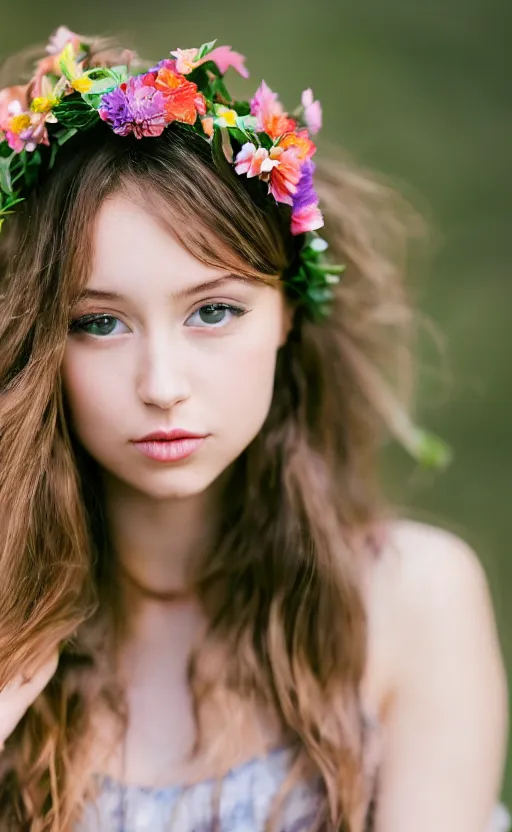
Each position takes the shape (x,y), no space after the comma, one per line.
(169,445)
(169,435)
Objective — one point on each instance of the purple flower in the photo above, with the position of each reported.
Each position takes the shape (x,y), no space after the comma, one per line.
(305,194)
(135,107)
(306,215)
(165,63)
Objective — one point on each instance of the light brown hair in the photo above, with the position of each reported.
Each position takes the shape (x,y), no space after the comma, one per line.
(283,587)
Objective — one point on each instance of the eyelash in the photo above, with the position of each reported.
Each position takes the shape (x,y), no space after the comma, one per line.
(80,324)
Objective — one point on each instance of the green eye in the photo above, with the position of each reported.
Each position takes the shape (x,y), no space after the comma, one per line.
(97,325)
(215,314)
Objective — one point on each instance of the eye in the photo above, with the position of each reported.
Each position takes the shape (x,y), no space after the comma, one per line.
(215,315)
(97,325)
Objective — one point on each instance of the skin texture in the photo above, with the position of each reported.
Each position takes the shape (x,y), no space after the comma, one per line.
(434,673)
(435,661)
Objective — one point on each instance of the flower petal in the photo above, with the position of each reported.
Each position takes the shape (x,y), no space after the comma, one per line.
(225,57)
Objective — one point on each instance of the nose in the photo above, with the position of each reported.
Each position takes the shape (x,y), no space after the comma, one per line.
(163,380)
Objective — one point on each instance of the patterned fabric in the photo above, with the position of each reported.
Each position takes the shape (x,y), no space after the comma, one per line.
(245,802)
(245,796)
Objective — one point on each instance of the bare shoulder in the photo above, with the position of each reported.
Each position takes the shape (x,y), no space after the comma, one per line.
(430,610)
(432,568)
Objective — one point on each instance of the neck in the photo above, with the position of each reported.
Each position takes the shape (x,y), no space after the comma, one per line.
(157,542)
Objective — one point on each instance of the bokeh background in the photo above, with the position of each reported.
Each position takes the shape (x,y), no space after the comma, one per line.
(420,92)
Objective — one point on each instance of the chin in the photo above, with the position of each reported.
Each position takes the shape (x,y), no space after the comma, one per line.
(174,484)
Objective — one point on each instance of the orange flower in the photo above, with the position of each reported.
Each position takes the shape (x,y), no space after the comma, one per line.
(207,123)
(300,142)
(277,124)
(182,100)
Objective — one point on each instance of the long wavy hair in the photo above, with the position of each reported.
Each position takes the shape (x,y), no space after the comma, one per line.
(282,588)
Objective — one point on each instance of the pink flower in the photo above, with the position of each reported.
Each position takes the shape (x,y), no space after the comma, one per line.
(307,219)
(60,39)
(285,177)
(225,57)
(24,130)
(50,65)
(281,168)
(244,158)
(254,161)
(271,118)
(312,111)
(185,60)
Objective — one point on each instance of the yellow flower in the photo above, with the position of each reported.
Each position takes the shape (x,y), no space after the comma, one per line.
(19,123)
(82,84)
(225,116)
(43,104)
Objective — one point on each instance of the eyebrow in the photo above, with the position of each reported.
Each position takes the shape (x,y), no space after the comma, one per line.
(188,291)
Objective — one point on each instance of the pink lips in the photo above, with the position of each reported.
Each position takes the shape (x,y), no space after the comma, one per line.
(169,446)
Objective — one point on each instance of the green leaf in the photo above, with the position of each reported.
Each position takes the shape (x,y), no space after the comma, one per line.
(333,268)
(218,88)
(53,154)
(75,112)
(5,173)
(246,123)
(204,49)
(239,135)
(199,76)
(243,108)
(320,294)
(205,77)
(103,80)
(63,137)
(265,140)
(316,273)
(6,209)
(5,150)
(430,450)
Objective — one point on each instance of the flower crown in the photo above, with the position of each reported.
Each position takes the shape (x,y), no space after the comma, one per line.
(73,89)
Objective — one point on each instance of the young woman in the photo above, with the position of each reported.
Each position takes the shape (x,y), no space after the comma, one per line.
(209,617)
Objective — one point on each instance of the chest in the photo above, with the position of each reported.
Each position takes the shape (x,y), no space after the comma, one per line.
(162,744)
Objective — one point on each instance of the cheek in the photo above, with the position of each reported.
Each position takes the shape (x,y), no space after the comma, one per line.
(92,393)
(241,387)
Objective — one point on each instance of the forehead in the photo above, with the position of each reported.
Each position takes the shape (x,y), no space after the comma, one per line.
(129,244)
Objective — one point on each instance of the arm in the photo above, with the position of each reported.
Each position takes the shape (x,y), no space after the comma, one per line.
(445,734)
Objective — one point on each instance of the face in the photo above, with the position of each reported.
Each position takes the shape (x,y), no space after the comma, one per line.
(162,342)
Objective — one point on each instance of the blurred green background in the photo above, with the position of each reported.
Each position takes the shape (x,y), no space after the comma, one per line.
(421,93)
